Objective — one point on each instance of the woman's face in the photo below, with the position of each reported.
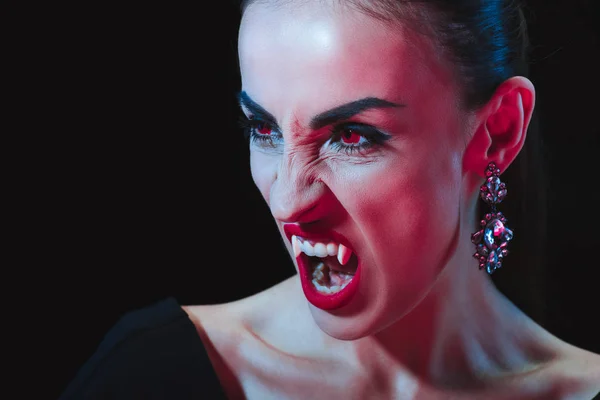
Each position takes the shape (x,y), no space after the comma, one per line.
(385,173)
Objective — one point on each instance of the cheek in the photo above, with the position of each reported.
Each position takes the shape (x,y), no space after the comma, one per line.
(264,171)
(408,214)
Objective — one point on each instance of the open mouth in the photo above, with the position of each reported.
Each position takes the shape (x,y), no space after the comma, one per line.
(332,266)
(328,268)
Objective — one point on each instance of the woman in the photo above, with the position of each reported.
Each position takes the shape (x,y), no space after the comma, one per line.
(373,125)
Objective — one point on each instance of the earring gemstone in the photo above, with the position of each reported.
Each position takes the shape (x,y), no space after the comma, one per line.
(492,239)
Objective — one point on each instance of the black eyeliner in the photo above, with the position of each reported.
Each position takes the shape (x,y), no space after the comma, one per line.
(367,131)
(257,111)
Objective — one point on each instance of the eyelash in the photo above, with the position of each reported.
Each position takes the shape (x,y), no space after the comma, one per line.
(373,137)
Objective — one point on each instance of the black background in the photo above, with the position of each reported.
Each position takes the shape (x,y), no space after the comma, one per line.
(141,187)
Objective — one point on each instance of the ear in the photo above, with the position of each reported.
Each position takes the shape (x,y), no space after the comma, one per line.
(501,127)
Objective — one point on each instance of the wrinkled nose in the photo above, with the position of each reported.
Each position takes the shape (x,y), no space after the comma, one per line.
(297,197)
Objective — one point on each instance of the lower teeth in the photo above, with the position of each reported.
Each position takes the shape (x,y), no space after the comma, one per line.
(321,277)
(331,290)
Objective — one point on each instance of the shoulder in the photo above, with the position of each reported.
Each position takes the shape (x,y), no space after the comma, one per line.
(574,373)
(253,340)
(241,334)
(226,333)
(229,321)
(578,372)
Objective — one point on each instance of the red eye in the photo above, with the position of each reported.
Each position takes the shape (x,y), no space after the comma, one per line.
(350,137)
(263,128)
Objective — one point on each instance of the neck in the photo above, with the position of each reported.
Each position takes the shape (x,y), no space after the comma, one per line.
(464,332)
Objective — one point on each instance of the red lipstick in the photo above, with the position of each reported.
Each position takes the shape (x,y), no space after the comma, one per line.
(320,300)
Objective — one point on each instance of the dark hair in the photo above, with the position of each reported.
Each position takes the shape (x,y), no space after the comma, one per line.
(487,42)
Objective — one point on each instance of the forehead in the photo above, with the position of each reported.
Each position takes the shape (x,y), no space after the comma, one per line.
(306,58)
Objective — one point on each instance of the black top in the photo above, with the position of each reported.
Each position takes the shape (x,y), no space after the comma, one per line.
(151,353)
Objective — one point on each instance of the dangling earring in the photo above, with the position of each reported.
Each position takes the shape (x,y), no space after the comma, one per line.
(492,239)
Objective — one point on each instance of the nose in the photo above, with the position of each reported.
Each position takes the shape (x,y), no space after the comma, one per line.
(297,196)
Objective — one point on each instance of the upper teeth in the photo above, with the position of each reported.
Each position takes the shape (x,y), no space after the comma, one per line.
(321,250)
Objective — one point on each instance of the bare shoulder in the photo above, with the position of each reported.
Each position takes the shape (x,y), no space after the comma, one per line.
(579,373)
(573,375)
(236,316)
(219,333)
(227,331)
(226,326)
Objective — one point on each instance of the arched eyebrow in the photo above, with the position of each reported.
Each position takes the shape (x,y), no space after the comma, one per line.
(323,119)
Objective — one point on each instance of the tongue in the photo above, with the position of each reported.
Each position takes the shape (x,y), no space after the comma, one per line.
(350,267)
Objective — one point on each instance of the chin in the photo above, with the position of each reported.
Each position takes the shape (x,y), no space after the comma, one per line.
(348,331)
(385,308)
(352,326)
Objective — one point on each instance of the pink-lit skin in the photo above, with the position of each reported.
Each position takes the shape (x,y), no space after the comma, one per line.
(391,203)
(407,208)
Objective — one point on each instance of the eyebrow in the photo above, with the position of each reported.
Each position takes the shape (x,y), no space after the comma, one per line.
(323,119)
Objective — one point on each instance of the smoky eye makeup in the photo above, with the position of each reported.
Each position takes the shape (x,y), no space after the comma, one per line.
(351,137)
(345,137)
(255,129)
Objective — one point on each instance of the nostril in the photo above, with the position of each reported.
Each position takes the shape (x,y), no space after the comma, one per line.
(290,215)
(299,198)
